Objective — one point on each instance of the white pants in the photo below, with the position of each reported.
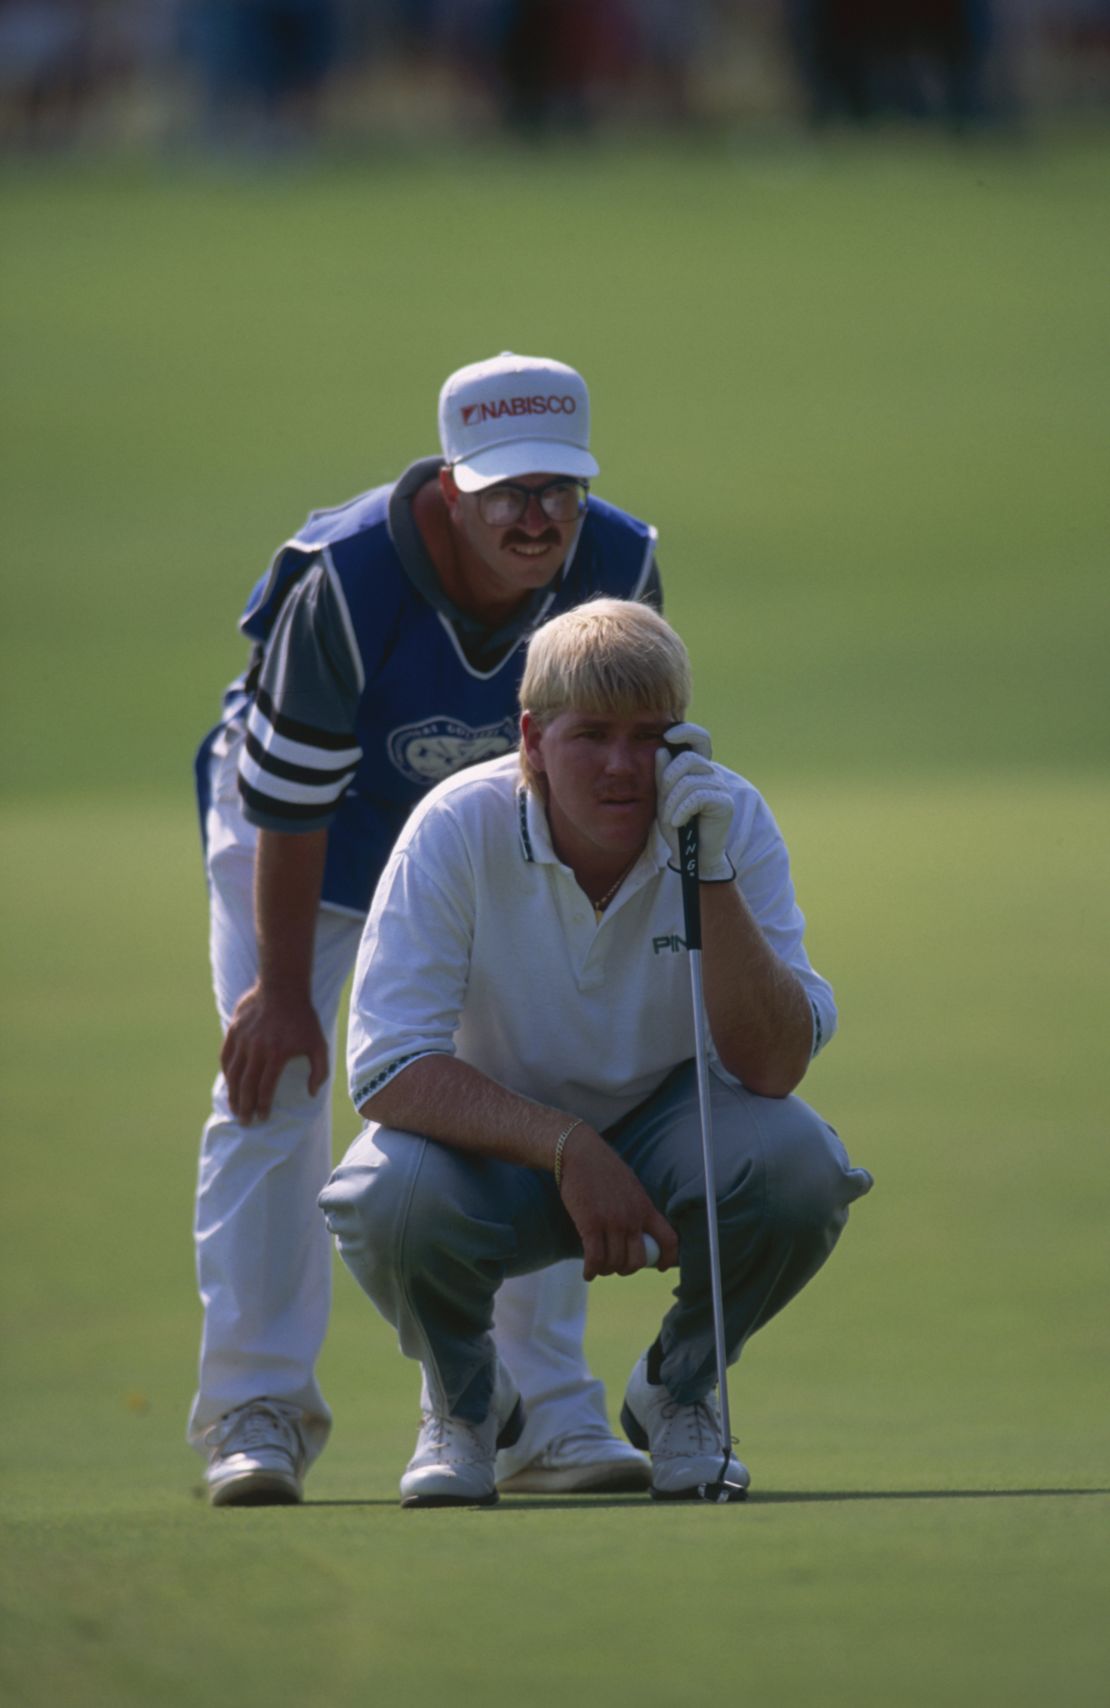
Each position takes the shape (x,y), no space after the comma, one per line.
(263,1252)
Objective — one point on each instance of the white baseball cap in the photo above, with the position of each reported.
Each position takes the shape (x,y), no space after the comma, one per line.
(515,415)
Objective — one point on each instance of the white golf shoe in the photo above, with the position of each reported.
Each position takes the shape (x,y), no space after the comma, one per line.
(584,1461)
(686,1442)
(256,1456)
(454,1462)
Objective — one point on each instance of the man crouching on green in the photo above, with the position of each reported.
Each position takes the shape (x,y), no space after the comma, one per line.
(522,1047)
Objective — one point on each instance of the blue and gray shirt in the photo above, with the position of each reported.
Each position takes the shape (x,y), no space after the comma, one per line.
(368,685)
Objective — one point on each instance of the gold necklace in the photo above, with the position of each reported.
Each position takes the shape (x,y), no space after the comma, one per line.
(602,903)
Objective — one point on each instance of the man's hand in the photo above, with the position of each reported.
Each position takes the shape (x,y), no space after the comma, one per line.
(687,786)
(265,1033)
(611,1210)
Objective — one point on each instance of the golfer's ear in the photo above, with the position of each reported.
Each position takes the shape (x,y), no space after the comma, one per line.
(531,733)
(447,486)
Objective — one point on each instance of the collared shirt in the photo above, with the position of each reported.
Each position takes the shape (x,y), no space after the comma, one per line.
(311,676)
(480,944)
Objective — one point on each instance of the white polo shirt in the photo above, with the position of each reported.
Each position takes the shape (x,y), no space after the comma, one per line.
(480,944)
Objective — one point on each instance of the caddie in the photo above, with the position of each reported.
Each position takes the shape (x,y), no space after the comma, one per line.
(388,646)
(521,1045)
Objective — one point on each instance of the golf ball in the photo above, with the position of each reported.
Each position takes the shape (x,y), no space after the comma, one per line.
(651,1251)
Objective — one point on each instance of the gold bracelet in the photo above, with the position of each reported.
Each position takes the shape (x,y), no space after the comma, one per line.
(560,1142)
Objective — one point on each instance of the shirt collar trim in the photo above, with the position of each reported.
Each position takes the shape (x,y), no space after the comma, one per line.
(535,835)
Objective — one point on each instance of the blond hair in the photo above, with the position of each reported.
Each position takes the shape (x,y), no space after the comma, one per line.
(612,657)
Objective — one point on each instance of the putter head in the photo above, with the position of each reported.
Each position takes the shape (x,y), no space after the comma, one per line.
(722,1493)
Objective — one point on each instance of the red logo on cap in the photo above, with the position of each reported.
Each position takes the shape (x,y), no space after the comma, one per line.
(474,414)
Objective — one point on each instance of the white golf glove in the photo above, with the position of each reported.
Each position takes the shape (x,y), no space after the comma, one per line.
(687,784)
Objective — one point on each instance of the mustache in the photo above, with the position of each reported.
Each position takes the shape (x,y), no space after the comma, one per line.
(517,537)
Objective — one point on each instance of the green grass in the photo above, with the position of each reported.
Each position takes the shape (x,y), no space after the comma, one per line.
(863,397)
(863,394)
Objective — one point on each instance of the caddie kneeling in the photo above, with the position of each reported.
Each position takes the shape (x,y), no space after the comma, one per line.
(522,1047)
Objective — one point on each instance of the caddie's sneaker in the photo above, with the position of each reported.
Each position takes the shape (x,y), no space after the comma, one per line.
(686,1443)
(584,1461)
(453,1464)
(256,1456)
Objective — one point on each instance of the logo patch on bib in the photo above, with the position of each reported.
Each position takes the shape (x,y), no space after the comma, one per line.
(435,748)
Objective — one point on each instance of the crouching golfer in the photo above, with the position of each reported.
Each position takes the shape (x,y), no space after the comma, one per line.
(522,1046)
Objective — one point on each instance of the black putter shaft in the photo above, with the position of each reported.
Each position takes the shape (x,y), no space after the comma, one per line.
(691,911)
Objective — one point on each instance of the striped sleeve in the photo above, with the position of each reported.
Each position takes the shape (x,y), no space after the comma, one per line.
(301,752)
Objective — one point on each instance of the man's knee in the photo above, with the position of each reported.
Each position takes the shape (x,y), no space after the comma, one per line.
(809,1180)
(365,1203)
(296,1122)
(292,1101)
(391,1205)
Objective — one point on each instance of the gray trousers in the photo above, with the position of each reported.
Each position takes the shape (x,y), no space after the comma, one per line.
(430,1232)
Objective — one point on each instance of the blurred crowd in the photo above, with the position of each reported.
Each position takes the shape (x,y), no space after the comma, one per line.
(282,72)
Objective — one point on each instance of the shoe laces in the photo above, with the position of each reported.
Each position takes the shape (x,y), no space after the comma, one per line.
(698,1425)
(452,1439)
(259,1423)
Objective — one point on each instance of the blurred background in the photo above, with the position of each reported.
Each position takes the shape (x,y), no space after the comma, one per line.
(276,74)
(835,271)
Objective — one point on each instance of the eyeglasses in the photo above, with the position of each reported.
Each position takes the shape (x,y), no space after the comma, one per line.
(560,500)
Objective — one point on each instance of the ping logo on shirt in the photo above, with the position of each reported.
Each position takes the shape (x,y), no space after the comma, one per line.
(672,944)
(435,748)
(473,414)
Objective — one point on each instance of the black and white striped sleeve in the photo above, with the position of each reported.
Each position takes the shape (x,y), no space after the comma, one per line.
(301,751)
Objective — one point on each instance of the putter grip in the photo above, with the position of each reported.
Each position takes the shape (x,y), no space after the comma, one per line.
(691,897)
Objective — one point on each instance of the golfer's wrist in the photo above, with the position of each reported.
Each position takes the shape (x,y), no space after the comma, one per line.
(721,871)
(564,1136)
(576,1145)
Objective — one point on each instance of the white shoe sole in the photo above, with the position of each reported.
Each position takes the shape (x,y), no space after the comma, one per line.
(413,1502)
(613,1476)
(257,1488)
(714,1493)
